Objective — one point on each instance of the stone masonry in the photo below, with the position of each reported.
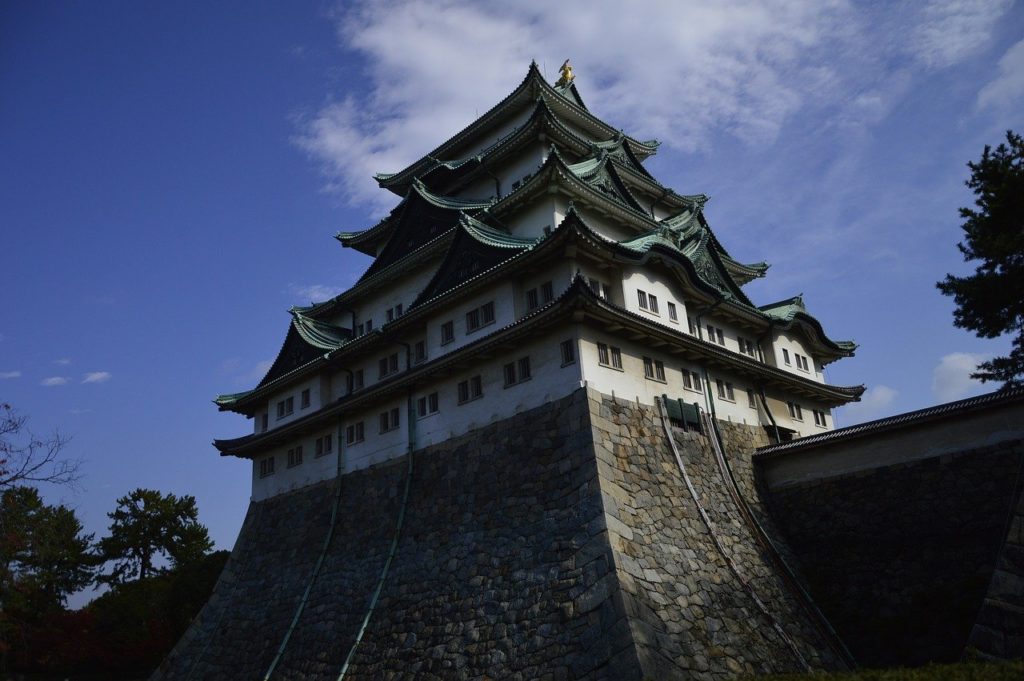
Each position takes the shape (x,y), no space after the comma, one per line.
(562,543)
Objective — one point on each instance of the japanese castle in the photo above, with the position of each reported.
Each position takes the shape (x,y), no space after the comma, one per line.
(531,254)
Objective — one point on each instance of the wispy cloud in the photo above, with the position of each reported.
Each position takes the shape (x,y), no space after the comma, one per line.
(96,377)
(314,293)
(259,370)
(53,381)
(63,361)
(951,378)
(875,403)
(10,374)
(1006,90)
(738,69)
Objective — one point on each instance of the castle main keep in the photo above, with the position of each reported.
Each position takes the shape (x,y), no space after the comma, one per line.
(522,445)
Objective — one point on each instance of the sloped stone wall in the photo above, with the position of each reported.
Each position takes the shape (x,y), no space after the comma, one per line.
(562,543)
(502,570)
(690,615)
(900,557)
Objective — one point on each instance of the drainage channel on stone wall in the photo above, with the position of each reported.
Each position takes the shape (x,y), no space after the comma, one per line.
(713,532)
(759,534)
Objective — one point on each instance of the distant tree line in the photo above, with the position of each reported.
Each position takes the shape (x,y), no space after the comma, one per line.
(156,562)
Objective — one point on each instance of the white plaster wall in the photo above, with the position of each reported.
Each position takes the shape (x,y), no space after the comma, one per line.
(403,289)
(560,275)
(530,222)
(631,384)
(777,402)
(312,469)
(605,226)
(475,145)
(637,279)
(316,400)
(503,297)
(793,342)
(376,446)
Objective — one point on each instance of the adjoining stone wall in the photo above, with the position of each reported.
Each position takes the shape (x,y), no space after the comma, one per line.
(900,557)
(999,629)
(561,543)
(690,615)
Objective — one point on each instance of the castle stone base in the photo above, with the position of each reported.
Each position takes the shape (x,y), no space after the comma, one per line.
(563,543)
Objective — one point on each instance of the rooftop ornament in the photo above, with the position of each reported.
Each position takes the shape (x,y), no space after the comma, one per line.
(567,75)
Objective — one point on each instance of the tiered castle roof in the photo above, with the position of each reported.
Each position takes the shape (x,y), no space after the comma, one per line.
(468,244)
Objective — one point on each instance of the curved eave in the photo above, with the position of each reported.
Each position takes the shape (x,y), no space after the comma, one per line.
(790,313)
(745,273)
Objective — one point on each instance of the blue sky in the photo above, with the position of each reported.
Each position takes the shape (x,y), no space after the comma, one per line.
(172,174)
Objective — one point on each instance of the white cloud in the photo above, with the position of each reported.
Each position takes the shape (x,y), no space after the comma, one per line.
(314,292)
(738,68)
(63,361)
(951,378)
(949,31)
(874,403)
(53,380)
(1006,90)
(10,374)
(96,377)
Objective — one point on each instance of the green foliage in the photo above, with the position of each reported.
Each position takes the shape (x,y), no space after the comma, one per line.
(990,302)
(147,524)
(44,554)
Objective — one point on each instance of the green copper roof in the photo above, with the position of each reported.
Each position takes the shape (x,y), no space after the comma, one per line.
(493,237)
(785,310)
(319,334)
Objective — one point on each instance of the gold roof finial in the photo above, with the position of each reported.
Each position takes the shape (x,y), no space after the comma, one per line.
(567,74)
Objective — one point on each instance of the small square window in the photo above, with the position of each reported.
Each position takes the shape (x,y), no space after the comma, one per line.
(266,466)
(294,456)
(648,367)
(473,320)
(476,387)
(659,370)
(524,368)
(264,422)
(673,314)
(354,433)
(510,373)
(602,354)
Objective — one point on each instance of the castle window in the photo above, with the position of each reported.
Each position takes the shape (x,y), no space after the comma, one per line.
(819,419)
(354,433)
(389,420)
(355,381)
(294,456)
(795,412)
(751,399)
(447,332)
(304,399)
(360,329)
(388,365)
(654,369)
(323,445)
(266,466)
(691,326)
(653,302)
(481,316)
(470,389)
(568,349)
(285,407)
(517,372)
(716,335)
(801,361)
(642,299)
(725,390)
(426,405)
(609,356)
(547,292)
(785,355)
(369,325)
(532,302)
(389,315)
(673,314)
(747,347)
(264,422)
(691,381)
(419,352)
